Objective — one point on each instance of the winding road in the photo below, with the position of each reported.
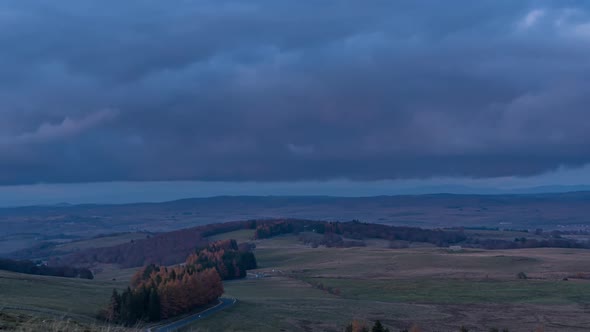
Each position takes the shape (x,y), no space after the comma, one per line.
(183,322)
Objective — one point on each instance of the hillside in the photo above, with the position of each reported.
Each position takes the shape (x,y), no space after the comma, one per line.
(301,288)
(26,226)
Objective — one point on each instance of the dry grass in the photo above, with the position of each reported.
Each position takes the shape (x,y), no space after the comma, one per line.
(438,289)
(74,297)
(20,322)
(433,287)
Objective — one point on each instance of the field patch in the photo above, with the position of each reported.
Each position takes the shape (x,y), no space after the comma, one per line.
(455,291)
(64,295)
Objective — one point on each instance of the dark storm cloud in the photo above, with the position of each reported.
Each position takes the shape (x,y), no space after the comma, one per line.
(290,90)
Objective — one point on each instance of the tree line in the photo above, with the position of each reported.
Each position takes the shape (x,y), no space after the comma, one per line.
(29,267)
(158,292)
(226,258)
(361,326)
(523,242)
(167,292)
(335,232)
(359,230)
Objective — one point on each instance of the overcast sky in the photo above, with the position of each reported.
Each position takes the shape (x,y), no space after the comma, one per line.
(288,90)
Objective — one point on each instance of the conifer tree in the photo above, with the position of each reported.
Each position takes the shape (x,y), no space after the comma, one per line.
(154,306)
(114,309)
(378,327)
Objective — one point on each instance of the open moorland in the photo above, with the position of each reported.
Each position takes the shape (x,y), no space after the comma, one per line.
(300,287)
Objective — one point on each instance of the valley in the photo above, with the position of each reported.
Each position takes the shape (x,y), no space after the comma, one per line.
(300,288)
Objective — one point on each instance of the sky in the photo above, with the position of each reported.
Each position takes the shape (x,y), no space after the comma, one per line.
(269,94)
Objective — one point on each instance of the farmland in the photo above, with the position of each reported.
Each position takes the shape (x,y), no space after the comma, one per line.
(301,288)
(431,287)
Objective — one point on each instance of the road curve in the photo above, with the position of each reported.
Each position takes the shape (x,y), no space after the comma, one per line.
(223,304)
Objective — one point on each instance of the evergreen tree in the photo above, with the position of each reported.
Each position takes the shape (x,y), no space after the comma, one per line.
(246,260)
(154,306)
(158,292)
(125,313)
(378,327)
(114,309)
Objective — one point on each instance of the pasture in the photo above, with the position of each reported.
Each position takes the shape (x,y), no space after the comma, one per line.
(300,288)
(322,289)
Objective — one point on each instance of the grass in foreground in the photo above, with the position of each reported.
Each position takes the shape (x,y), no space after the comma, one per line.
(433,287)
(13,321)
(76,297)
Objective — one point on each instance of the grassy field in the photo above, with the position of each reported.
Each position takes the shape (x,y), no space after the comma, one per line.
(22,322)
(243,235)
(285,304)
(76,297)
(449,291)
(322,289)
(436,288)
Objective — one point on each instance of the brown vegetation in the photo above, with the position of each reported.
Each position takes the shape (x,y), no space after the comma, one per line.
(172,248)
(163,292)
(163,249)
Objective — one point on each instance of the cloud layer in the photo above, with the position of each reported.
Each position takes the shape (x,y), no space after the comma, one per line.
(287,90)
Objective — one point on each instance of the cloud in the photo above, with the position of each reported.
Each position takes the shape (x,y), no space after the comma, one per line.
(68,127)
(289,91)
(531,18)
(582,30)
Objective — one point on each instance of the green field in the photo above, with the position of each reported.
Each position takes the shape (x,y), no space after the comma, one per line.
(76,297)
(242,235)
(287,304)
(450,291)
(322,289)
(435,288)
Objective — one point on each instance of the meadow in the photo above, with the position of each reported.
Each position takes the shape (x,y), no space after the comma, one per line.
(78,298)
(300,288)
(322,289)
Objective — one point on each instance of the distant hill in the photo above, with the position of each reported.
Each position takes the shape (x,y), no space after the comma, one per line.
(62,223)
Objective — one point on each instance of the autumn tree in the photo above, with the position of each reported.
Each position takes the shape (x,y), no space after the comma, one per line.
(225,257)
(415,328)
(114,309)
(357,326)
(162,292)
